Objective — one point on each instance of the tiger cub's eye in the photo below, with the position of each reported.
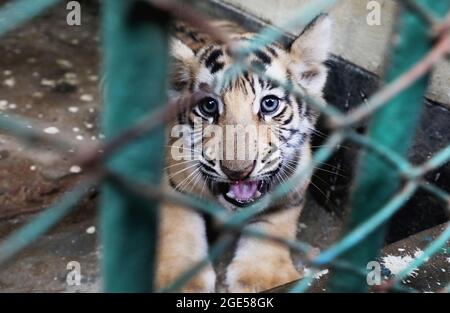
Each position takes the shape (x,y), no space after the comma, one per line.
(269,104)
(208,107)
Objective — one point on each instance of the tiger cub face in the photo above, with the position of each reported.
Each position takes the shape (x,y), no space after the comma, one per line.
(246,135)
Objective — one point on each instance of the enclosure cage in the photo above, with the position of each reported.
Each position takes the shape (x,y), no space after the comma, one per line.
(394,112)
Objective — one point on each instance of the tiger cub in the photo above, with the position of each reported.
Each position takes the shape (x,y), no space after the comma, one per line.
(217,171)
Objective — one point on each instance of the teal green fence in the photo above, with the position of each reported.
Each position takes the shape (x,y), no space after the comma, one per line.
(135,36)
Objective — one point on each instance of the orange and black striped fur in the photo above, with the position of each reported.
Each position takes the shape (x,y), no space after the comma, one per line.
(245,100)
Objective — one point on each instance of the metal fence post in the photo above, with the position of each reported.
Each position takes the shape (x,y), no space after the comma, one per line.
(394,127)
(136,55)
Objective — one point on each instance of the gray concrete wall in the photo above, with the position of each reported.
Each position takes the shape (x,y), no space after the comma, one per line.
(354,39)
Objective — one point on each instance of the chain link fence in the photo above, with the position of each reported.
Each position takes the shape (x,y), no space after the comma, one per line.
(135,48)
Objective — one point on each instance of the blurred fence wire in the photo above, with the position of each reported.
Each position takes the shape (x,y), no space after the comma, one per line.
(130,173)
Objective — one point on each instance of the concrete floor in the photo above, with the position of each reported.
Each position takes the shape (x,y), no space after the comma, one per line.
(49,73)
(43,266)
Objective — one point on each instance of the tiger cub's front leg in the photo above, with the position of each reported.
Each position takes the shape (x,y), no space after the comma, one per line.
(259,264)
(182,243)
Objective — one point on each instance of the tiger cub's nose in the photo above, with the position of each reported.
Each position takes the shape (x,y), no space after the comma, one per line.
(237,170)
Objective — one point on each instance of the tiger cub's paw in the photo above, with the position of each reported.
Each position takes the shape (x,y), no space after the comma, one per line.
(259,276)
(203,282)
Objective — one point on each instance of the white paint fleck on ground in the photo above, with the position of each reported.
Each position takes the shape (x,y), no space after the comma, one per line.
(3,104)
(9,82)
(75,169)
(436,178)
(419,253)
(302,225)
(73,109)
(64,63)
(86,98)
(93,78)
(51,130)
(90,230)
(37,94)
(321,273)
(48,82)
(398,263)
(318,275)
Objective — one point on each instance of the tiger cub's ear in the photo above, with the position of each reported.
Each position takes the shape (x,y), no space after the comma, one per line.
(308,53)
(184,64)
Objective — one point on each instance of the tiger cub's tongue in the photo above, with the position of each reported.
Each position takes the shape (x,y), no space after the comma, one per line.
(243,191)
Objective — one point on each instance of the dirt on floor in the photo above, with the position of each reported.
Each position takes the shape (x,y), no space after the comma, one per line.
(48,73)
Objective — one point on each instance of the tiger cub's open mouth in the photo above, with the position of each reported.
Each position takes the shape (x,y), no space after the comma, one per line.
(242,193)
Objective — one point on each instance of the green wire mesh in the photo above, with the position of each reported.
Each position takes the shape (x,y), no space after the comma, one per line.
(130,175)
